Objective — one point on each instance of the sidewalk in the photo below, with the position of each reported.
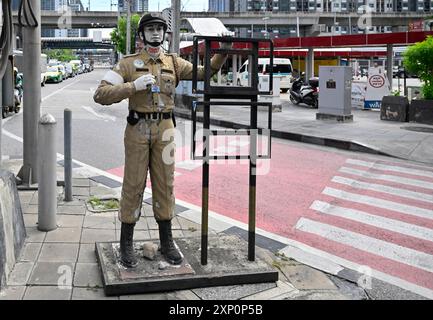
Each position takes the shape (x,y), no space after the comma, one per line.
(66,256)
(367,133)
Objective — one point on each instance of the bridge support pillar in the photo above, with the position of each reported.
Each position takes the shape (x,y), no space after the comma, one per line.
(309,64)
(389,63)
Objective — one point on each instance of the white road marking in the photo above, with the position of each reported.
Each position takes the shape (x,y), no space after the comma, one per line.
(373,220)
(385,177)
(378,247)
(380,203)
(385,189)
(58,91)
(321,255)
(98,115)
(380,166)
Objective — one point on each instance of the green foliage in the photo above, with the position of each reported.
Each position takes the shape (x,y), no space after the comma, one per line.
(65,55)
(99,204)
(396,93)
(418,59)
(118,35)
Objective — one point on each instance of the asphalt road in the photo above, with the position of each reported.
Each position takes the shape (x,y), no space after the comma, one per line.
(354,209)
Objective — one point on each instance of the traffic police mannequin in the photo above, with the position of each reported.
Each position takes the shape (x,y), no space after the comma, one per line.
(148,79)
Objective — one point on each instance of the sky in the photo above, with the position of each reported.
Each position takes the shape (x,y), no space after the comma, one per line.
(187,5)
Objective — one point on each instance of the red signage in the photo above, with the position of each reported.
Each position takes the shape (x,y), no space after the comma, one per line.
(377,81)
(416,25)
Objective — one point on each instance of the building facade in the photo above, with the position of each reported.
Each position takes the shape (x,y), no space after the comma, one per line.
(136,5)
(321,5)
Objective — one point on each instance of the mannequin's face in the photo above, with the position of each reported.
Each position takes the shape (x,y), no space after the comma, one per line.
(154,32)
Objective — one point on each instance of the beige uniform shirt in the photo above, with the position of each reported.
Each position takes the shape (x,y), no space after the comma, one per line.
(118,84)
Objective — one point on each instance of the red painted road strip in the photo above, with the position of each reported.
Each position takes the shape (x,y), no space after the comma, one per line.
(297,177)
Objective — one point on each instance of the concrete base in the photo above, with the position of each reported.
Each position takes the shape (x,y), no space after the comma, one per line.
(12,228)
(227,265)
(338,118)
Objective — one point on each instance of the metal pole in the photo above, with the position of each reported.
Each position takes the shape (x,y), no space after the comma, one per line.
(47,161)
(32,97)
(175,38)
(252,181)
(205,178)
(128,27)
(68,154)
(389,63)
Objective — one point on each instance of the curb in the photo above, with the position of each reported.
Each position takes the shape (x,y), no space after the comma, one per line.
(293,136)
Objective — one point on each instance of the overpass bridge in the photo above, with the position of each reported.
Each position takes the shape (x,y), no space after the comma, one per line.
(108,19)
(75,43)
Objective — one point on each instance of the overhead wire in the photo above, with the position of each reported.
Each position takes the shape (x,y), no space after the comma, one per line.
(27,8)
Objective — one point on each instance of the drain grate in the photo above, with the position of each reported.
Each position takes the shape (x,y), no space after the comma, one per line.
(419,129)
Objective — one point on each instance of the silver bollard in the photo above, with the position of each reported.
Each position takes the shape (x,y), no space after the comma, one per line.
(68,154)
(47,176)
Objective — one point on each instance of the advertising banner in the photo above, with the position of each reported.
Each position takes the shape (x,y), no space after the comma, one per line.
(377,87)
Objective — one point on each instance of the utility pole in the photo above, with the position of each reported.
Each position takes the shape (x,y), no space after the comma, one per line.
(175,38)
(32,96)
(128,27)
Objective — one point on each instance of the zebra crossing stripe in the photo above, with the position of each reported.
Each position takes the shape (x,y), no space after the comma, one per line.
(380,166)
(380,203)
(385,177)
(373,220)
(385,189)
(374,246)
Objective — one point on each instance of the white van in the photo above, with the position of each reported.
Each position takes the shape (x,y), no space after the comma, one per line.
(282,67)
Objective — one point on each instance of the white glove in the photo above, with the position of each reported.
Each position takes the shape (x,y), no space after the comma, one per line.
(226,45)
(144,81)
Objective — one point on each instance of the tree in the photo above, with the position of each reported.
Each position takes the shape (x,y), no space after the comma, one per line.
(118,35)
(61,54)
(418,59)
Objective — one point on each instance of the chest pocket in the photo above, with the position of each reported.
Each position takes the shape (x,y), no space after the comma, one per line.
(168,82)
(138,73)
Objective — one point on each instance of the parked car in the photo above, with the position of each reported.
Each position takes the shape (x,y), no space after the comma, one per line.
(69,70)
(79,66)
(54,74)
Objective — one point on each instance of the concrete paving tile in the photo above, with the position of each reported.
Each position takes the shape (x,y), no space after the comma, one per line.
(80,182)
(87,253)
(70,221)
(182,295)
(81,191)
(30,209)
(151,223)
(30,220)
(97,235)
(34,235)
(188,224)
(30,252)
(95,221)
(87,275)
(76,210)
(316,295)
(283,288)
(12,293)
(232,292)
(74,203)
(52,273)
(71,235)
(20,274)
(52,252)
(306,278)
(90,294)
(146,296)
(47,293)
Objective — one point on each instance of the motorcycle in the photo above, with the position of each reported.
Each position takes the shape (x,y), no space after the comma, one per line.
(18,92)
(307,94)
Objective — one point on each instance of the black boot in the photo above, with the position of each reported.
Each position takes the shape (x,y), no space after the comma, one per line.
(127,256)
(168,249)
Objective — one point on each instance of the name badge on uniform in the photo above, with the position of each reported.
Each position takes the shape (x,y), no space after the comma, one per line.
(139,63)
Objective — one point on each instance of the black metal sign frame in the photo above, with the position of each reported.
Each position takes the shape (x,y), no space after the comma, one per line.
(228,93)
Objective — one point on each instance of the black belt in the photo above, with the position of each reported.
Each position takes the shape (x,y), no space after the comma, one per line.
(153,115)
(134,116)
